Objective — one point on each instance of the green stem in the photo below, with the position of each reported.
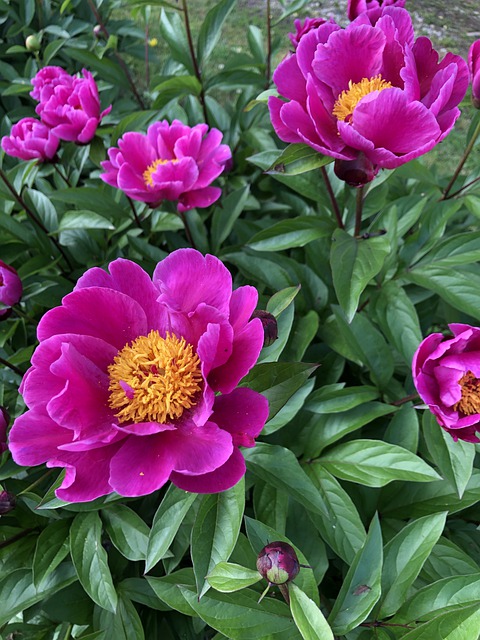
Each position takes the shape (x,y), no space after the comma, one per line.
(37,482)
(135,214)
(196,68)
(467,152)
(333,200)
(465,186)
(64,178)
(11,366)
(358,211)
(18,536)
(412,396)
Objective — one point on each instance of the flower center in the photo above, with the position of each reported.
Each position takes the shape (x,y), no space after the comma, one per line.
(348,99)
(147,174)
(154,379)
(469,403)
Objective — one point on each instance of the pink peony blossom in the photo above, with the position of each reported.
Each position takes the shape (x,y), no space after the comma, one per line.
(134,381)
(446,373)
(171,162)
(69,105)
(30,139)
(372,8)
(368,89)
(10,288)
(474,68)
(302,28)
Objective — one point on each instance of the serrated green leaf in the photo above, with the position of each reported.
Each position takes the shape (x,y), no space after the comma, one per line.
(308,617)
(228,577)
(90,559)
(128,532)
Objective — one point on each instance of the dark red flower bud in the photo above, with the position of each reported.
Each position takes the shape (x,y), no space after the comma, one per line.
(270,328)
(278,563)
(356,172)
(4,420)
(7,502)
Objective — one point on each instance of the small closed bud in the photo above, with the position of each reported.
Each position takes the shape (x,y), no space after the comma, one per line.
(4,420)
(33,42)
(97,31)
(270,327)
(7,502)
(356,172)
(278,563)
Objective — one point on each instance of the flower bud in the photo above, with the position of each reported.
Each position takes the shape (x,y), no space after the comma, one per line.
(10,288)
(356,172)
(4,420)
(97,31)
(7,502)
(278,563)
(33,42)
(270,328)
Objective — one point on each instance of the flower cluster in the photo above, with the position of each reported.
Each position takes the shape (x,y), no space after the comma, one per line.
(369,92)
(446,373)
(11,289)
(69,109)
(134,381)
(171,162)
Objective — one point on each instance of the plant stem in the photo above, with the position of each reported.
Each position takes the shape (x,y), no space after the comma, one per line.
(398,403)
(461,163)
(119,58)
(268,69)
(64,178)
(196,68)
(33,217)
(332,197)
(465,186)
(187,229)
(11,366)
(37,481)
(135,214)
(18,536)
(147,61)
(358,211)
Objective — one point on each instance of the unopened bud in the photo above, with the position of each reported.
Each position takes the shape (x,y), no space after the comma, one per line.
(4,420)
(7,502)
(356,172)
(97,31)
(278,563)
(33,42)
(270,328)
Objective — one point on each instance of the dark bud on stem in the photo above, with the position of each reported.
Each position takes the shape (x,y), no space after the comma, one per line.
(270,328)
(356,172)
(278,563)
(7,502)
(97,31)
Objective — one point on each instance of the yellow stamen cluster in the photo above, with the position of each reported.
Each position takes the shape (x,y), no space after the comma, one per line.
(348,99)
(154,379)
(469,403)
(147,174)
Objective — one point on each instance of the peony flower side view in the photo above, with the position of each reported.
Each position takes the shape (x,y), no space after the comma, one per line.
(31,139)
(369,92)
(474,68)
(11,289)
(446,373)
(372,8)
(170,162)
(134,381)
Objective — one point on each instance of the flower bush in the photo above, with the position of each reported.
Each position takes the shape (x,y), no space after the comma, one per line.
(133,395)
(171,162)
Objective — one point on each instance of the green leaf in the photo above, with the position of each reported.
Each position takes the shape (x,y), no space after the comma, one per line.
(84,219)
(215,531)
(166,522)
(361,587)
(43,208)
(331,399)
(458,624)
(284,326)
(139,590)
(281,300)
(448,560)
(227,577)
(168,590)
(52,547)
(90,559)
(278,381)
(404,556)
(174,34)
(175,88)
(354,262)
(125,624)
(298,158)
(128,532)
(308,617)
(454,459)
(374,463)
(224,216)
(440,597)
(211,29)
(288,234)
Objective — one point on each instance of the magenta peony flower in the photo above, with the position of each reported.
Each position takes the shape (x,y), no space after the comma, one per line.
(69,105)
(474,68)
(372,8)
(4,420)
(368,90)
(10,289)
(446,373)
(302,28)
(134,381)
(30,139)
(171,162)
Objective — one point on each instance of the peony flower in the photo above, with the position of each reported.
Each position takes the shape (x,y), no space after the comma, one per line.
(10,289)
(30,139)
(68,104)
(134,381)
(4,420)
(372,8)
(446,373)
(474,68)
(368,89)
(302,28)
(171,162)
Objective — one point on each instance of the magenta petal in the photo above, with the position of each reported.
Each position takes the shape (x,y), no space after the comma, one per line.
(199,198)
(242,305)
(34,438)
(221,479)
(199,450)
(242,413)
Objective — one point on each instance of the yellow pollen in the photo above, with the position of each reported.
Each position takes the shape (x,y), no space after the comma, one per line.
(348,99)
(147,174)
(469,403)
(154,379)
